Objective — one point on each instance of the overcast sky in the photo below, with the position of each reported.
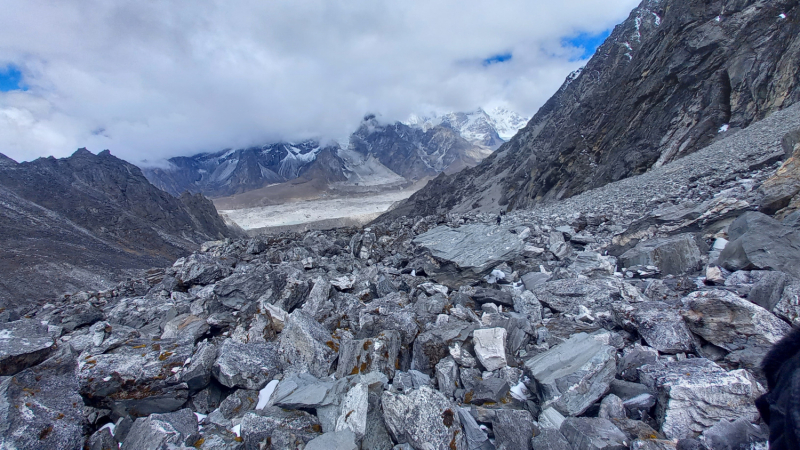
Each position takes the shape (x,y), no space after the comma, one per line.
(154,79)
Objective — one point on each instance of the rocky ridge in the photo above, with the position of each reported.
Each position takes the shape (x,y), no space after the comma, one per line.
(670,80)
(631,316)
(88,220)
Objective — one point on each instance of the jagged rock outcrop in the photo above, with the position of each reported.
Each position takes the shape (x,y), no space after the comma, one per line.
(667,82)
(81,221)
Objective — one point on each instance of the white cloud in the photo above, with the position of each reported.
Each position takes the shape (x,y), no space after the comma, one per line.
(151,79)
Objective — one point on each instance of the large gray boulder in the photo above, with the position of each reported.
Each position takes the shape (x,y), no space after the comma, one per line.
(162,431)
(672,255)
(241,289)
(695,394)
(550,439)
(731,322)
(591,433)
(305,346)
(25,343)
(568,295)
(659,324)
(38,407)
(202,269)
(757,241)
(573,375)
(248,366)
(474,248)
(788,307)
(423,418)
(513,429)
(303,391)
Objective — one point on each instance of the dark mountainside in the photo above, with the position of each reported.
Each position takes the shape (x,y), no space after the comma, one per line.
(413,153)
(660,87)
(81,221)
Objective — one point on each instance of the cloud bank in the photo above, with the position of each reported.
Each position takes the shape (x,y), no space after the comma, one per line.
(150,80)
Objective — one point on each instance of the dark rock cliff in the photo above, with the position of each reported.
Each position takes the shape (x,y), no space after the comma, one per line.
(667,82)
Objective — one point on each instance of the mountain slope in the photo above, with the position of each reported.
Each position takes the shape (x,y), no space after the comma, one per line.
(86,219)
(663,85)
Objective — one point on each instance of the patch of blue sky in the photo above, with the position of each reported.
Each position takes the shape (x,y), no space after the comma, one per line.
(589,43)
(11,79)
(497,59)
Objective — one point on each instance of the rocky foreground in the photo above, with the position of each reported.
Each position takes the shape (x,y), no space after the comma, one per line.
(633,316)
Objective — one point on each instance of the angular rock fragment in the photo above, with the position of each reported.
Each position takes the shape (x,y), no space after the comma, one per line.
(248,366)
(447,376)
(278,428)
(550,439)
(423,418)
(731,322)
(768,288)
(568,295)
(658,323)
(573,375)
(162,430)
(513,429)
(197,374)
(353,409)
(490,347)
(587,433)
(434,344)
(305,346)
(369,355)
(335,440)
(102,439)
(490,390)
(498,297)
(242,289)
(734,434)
(758,241)
(788,307)
(24,343)
(475,437)
(633,358)
(672,255)
(612,407)
(411,380)
(592,264)
(40,406)
(202,269)
(694,394)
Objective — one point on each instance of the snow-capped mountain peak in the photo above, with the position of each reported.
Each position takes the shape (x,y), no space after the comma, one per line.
(487,129)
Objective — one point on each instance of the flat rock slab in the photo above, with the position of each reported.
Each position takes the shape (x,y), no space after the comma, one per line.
(424,418)
(162,430)
(695,394)
(475,247)
(590,433)
(24,343)
(279,428)
(658,323)
(758,241)
(337,440)
(731,322)
(575,374)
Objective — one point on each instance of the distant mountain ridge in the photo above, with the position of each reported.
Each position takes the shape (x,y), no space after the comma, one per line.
(87,218)
(398,151)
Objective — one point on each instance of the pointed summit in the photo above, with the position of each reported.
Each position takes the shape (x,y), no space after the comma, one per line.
(5,161)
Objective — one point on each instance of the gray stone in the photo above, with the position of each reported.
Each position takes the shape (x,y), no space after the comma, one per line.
(513,429)
(197,374)
(490,347)
(336,440)
(558,246)
(160,430)
(550,418)
(731,322)
(369,355)
(185,328)
(527,304)
(758,241)
(24,343)
(636,429)
(653,444)
(550,439)
(302,391)
(305,346)
(573,375)
(248,366)
(672,255)
(424,418)
(202,269)
(788,307)
(238,403)
(586,433)
(38,407)
(533,279)
(768,289)
(496,296)
(633,358)
(612,407)
(568,295)
(411,380)
(690,444)
(318,301)
(476,438)
(737,434)
(278,428)
(242,289)
(659,324)
(591,264)
(354,407)
(434,344)
(491,389)
(474,248)
(462,356)
(447,376)
(102,440)
(694,394)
